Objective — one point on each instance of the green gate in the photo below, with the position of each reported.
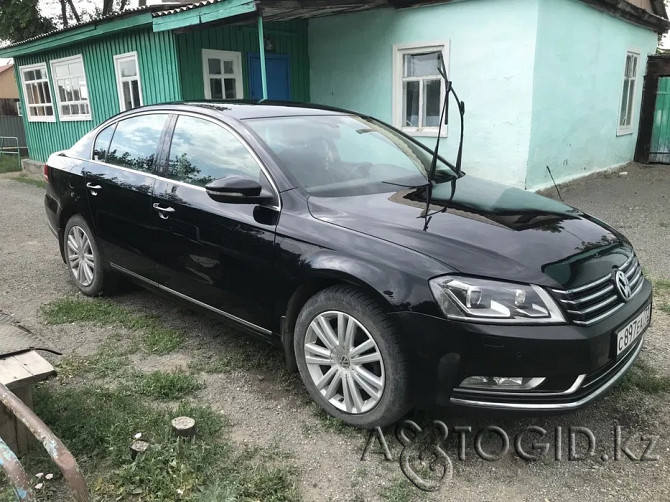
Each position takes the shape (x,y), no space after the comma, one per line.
(659,150)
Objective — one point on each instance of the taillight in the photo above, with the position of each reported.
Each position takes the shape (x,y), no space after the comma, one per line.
(45,172)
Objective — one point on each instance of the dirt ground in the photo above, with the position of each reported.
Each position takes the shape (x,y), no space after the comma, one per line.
(270,410)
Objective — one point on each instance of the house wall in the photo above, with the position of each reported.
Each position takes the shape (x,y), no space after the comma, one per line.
(579,69)
(160,83)
(491,63)
(289,38)
(8,88)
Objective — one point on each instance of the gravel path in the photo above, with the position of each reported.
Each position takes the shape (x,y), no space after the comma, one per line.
(268,409)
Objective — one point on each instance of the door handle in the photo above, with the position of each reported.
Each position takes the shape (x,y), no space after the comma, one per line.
(163,212)
(93,188)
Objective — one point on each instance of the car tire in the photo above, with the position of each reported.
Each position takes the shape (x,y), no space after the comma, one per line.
(83,258)
(363,378)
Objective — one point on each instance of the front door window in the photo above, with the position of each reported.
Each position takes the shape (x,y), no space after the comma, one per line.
(222,72)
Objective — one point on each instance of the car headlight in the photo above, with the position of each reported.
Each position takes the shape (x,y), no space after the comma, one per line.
(482,300)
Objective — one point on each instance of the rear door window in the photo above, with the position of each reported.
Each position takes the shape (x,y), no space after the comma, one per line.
(102,143)
(202,151)
(135,142)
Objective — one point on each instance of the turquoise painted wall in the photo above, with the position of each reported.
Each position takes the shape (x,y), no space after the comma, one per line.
(491,62)
(579,67)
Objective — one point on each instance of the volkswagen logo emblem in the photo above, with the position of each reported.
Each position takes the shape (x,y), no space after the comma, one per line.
(622,285)
(343,361)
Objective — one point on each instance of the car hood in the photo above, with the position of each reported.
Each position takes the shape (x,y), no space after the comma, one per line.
(482,228)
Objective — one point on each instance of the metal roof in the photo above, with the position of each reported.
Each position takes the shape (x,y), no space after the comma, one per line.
(115,15)
(278,10)
(185,7)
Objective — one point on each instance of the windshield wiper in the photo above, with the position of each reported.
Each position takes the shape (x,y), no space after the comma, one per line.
(444,119)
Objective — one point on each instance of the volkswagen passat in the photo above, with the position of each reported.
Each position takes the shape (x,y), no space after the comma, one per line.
(320,231)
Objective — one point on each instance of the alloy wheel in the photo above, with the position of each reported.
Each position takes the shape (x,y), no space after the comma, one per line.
(80,256)
(344,362)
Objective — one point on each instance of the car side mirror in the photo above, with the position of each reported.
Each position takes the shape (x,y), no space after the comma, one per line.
(238,190)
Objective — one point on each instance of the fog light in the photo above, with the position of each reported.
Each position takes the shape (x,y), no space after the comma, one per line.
(502,383)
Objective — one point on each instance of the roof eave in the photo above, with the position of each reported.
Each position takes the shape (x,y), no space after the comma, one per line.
(634,14)
(76,33)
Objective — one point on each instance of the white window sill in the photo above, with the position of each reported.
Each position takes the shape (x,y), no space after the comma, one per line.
(75,118)
(41,119)
(428,132)
(625,131)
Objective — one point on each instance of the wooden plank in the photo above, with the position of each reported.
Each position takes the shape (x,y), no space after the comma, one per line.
(24,369)
(8,429)
(12,373)
(24,438)
(34,363)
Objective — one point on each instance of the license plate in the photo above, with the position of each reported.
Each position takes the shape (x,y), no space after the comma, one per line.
(626,336)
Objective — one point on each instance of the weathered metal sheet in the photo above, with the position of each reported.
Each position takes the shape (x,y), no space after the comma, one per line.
(12,127)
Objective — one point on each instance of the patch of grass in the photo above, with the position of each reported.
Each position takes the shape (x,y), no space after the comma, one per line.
(402,490)
(166,386)
(111,359)
(161,340)
(102,364)
(69,310)
(662,285)
(23,178)
(252,356)
(663,224)
(644,378)
(9,164)
(98,424)
(157,338)
(270,484)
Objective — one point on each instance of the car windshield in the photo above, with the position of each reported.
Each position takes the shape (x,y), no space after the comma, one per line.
(342,155)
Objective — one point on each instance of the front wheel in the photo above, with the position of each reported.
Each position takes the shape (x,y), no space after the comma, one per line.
(83,257)
(350,358)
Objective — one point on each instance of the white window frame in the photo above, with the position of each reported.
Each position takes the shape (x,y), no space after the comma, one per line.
(71,118)
(31,117)
(118,59)
(399,51)
(623,130)
(237,70)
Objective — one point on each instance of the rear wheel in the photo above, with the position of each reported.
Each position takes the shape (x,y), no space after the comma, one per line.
(350,358)
(83,258)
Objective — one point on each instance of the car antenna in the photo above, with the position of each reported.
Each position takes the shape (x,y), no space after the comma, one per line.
(444,119)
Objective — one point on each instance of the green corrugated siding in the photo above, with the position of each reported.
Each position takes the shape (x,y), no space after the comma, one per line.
(289,38)
(159,75)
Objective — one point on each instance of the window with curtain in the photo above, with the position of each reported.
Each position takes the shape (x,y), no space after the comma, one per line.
(128,82)
(71,88)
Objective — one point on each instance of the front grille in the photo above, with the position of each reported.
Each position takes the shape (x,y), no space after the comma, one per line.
(593,302)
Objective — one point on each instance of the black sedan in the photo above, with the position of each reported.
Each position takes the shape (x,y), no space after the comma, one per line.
(322,231)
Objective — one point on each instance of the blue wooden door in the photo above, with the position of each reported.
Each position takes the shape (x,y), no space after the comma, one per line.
(277,68)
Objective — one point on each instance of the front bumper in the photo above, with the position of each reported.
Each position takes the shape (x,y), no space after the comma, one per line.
(580,363)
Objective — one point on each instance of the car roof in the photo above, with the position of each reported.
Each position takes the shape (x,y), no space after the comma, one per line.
(242,110)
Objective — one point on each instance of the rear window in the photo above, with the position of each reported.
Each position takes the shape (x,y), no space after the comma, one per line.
(135,142)
(101,146)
